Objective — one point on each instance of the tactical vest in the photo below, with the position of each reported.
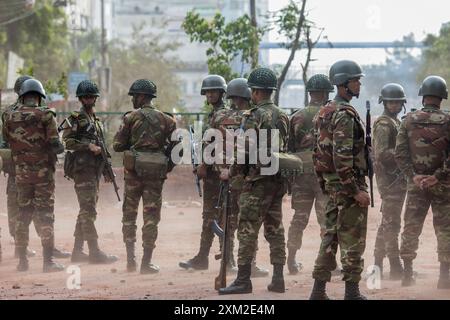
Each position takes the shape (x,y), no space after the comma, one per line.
(324,127)
(152,132)
(428,142)
(27,135)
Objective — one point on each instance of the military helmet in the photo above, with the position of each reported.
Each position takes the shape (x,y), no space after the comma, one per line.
(263,78)
(343,71)
(238,88)
(434,86)
(20,80)
(319,82)
(213,82)
(392,92)
(32,85)
(143,86)
(87,88)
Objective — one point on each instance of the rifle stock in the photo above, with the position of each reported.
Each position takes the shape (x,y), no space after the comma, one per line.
(221,280)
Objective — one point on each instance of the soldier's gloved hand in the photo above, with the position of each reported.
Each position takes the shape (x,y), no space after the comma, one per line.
(428,182)
(95,149)
(417,179)
(362,198)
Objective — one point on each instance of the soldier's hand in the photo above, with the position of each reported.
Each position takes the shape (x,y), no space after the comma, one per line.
(362,198)
(95,149)
(107,179)
(428,182)
(201,171)
(224,174)
(417,179)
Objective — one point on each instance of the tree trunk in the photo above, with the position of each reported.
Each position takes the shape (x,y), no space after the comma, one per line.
(294,48)
(255,46)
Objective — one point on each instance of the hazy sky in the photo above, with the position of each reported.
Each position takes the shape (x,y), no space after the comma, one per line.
(367,20)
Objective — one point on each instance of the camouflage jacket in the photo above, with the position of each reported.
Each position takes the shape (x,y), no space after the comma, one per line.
(145,129)
(8,166)
(385,130)
(301,129)
(265,116)
(30,132)
(423,143)
(339,155)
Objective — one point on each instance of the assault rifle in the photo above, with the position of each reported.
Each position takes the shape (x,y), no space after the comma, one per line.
(194,158)
(368,147)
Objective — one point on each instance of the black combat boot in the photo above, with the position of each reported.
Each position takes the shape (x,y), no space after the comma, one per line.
(77,253)
(198,263)
(23,260)
(146,266)
(444,278)
(96,256)
(277,284)
(319,291)
(242,284)
(408,274)
(293,266)
(131,258)
(60,254)
(49,264)
(396,271)
(352,291)
(379,263)
(257,271)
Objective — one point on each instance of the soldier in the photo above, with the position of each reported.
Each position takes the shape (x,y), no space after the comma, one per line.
(214,88)
(341,167)
(422,156)
(146,132)
(82,130)
(30,131)
(305,188)
(240,94)
(261,197)
(390,181)
(11,188)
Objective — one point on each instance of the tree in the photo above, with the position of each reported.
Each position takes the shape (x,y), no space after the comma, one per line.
(436,57)
(310,46)
(289,22)
(226,40)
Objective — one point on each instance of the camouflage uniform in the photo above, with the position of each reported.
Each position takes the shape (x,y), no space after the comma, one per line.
(87,169)
(305,188)
(341,168)
(391,185)
(422,147)
(143,130)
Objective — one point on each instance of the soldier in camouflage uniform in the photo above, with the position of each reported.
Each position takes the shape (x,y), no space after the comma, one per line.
(260,201)
(214,88)
(230,119)
(11,189)
(340,165)
(81,132)
(422,154)
(146,131)
(305,188)
(30,131)
(391,183)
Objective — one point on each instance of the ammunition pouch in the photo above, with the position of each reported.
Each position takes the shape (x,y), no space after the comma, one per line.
(289,164)
(151,164)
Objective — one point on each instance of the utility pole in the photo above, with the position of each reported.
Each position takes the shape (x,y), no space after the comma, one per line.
(103,34)
(255,51)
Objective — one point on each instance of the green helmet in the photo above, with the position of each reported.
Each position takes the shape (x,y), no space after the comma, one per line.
(213,82)
(319,82)
(263,78)
(143,86)
(392,92)
(87,88)
(20,80)
(238,88)
(343,71)
(434,86)
(32,85)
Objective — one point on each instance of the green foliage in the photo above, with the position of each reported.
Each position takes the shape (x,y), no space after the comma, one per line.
(436,58)
(226,40)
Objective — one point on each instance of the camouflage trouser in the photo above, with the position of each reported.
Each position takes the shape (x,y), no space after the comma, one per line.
(150,190)
(35,199)
(13,207)
(305,190)
(211,189)
(261,202)
(417,204)
(391,208)
(86,188)
(346,226)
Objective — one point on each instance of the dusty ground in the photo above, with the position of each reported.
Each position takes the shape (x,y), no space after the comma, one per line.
(178,240)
